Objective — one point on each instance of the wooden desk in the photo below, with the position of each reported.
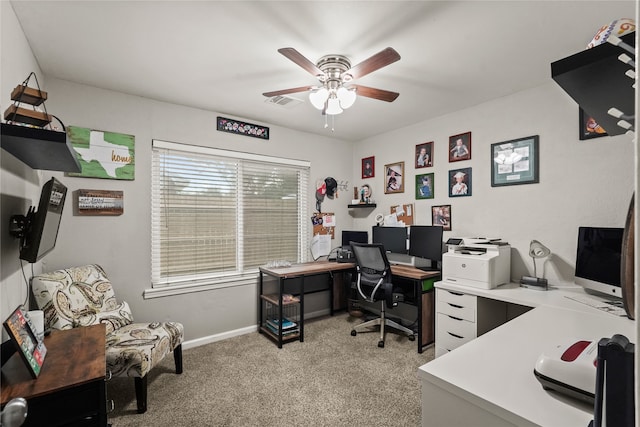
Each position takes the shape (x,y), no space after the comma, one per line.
(71,386)
(425,301)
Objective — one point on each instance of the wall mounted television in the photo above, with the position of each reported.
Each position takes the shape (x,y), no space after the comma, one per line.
(38,229)
(598,260)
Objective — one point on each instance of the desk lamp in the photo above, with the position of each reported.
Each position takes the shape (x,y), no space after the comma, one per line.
(536,250)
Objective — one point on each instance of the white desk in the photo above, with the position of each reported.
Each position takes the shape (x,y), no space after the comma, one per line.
(489,381)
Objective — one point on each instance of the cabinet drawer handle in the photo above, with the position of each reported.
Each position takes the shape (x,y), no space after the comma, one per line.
(456,293)
(454,335)
(455,305)
(454,318)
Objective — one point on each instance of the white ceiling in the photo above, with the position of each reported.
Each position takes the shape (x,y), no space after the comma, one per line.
(222,55)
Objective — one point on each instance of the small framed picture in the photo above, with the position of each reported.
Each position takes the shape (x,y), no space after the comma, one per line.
(368,167)
(424,155)
(441,215)
(589,128)
(460,182)
(515,162)
(424,186)
(394,178)
(460,147)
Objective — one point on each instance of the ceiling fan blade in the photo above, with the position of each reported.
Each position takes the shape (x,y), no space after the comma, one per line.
(297,57)
(286,91)
(377,61)
(370,92)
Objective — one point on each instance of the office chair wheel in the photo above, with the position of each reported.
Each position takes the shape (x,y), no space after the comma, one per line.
(412,337)
(381,344)
(353,333)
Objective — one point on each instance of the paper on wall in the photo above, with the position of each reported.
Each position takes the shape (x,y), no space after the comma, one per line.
(329,220)
(320,245)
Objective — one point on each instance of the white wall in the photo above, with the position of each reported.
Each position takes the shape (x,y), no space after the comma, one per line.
(581,182)
(19,184)
(122,244)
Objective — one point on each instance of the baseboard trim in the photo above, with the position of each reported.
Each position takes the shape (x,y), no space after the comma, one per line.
(241,331)
(218,337)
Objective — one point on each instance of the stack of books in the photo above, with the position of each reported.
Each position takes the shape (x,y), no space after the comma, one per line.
(288,327)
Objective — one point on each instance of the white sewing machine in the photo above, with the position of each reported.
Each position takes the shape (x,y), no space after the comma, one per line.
(477,262)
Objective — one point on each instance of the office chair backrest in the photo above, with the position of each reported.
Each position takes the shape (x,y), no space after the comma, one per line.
(372,262)
(374,272)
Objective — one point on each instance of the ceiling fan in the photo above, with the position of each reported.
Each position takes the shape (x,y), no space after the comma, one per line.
(335,74)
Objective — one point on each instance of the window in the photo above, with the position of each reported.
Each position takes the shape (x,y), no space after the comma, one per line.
(217,215)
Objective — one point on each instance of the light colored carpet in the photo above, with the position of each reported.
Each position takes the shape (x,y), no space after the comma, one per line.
(330,379)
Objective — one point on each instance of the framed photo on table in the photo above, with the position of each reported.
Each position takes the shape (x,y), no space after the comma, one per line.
(515,162)
(22,335)
(394,178)
(368,167)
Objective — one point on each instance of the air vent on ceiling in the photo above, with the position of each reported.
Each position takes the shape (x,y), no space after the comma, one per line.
(283,101)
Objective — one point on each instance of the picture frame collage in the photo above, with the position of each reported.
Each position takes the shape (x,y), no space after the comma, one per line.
(513,162)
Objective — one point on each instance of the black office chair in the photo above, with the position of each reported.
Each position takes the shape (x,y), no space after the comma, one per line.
(374,284)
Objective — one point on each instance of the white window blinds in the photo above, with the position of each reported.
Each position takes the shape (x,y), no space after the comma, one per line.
(218,213)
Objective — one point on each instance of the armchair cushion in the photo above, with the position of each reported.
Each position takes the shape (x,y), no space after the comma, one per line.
(113,319)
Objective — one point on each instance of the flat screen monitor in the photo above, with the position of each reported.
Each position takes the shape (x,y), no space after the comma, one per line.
(394,239)
(425,241)
(41,225)
(598,259)
(354,236)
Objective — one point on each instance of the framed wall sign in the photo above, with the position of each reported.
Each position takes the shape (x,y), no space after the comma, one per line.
(242,128)
(99,202)
(515,162)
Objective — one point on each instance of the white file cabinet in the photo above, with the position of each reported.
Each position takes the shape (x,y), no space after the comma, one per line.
(462,317)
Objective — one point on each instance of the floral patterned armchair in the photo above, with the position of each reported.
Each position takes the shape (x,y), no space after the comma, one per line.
(83,296)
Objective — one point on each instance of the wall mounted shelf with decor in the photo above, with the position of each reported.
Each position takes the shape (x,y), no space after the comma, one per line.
(24,135)
(595,78)
(363,205)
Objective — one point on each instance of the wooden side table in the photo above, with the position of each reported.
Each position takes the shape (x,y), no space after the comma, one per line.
(71,387)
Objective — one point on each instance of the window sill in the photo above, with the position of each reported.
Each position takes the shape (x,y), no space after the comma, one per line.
(229,282)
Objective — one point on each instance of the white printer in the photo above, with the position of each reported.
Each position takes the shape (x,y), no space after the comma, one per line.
(477,262)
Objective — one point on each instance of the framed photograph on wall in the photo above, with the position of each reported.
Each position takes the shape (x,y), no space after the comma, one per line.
(460,147)
(589,128)
(368,167)
(424,186)
(515,162)
(460,182)
(441,215)
(424,155)
(394,178)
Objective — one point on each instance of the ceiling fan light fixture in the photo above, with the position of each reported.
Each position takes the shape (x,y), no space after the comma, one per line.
(319,97)
(333,107)
(346,96)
